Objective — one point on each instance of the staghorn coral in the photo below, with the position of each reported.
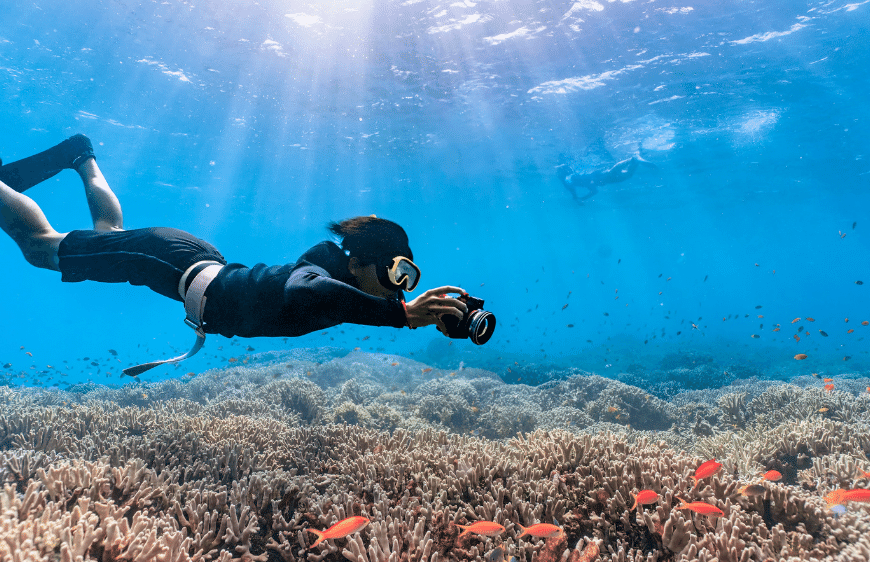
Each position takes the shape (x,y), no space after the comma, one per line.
(199,479)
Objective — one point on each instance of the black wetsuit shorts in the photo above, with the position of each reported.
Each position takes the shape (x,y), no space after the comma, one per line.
(153,257)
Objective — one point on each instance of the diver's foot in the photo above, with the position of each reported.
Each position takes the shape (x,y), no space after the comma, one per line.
(640,157)
(77,150)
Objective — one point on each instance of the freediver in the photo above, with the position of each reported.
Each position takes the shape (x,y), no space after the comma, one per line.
(360,282)
(591,181)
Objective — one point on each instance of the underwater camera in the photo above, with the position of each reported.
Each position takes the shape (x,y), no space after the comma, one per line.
(477,324)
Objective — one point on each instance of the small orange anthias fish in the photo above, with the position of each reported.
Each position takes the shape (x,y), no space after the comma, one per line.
(829,387)
(706,469)
(772,475)
(485,528)
(541,530)
(862,474)
(700,507)
(340,530)
(839,497)
(645,497)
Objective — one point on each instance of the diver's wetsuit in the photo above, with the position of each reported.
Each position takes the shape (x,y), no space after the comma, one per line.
(620,172)
(312,294)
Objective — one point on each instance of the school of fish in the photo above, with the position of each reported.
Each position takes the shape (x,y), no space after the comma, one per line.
(835,499)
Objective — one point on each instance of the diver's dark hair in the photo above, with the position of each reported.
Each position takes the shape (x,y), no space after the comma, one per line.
(370,238)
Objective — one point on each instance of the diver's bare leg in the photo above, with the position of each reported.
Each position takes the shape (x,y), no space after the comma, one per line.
(23,220)
(102,201)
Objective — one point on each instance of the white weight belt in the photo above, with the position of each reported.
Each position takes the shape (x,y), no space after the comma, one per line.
(194,306)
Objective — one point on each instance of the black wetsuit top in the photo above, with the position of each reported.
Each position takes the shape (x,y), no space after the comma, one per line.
(312,294)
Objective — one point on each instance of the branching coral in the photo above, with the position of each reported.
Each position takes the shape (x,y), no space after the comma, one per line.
(200,480)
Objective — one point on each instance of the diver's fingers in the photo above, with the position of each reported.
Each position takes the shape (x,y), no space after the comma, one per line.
(449,303)
(438,309)
(446,289)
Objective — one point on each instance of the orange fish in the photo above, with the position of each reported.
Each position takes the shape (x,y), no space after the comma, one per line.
(645,497)
(795,320)
(857,495)
(700,507)
(706,469)
(541,530)
(810,319)
(850,330)
(772,475)
(485,528)
(776,329)
(839,497)
(394,363)
(862,474)
(232,359)
(827,380)
(865,323)
(835,497)
(427,369)
(340,530)
(847,320)
(589,554)
(797,337)
(800,356)
(829,387)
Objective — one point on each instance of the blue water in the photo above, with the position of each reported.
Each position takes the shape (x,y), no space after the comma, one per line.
(252,125)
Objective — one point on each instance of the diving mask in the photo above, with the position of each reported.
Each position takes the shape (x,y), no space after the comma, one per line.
(398,273)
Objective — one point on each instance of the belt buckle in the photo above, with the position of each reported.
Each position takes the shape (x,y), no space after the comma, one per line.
(196,328)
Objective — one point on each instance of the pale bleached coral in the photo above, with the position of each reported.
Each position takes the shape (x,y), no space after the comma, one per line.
(194,477)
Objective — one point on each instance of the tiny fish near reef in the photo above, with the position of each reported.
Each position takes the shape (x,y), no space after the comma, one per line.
(340,530)
(772,475)
(645,497)
(752,490)
(485,528)
(839,497)
(706,469)
(700,507)
(541,530)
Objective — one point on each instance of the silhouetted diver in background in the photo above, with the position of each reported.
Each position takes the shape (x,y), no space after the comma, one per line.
(590,181)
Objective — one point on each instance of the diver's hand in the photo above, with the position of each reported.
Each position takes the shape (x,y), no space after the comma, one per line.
(428,307)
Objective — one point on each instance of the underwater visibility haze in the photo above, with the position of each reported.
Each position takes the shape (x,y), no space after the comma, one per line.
(664,203)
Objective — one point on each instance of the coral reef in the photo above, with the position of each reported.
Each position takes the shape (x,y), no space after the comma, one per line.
(237,464)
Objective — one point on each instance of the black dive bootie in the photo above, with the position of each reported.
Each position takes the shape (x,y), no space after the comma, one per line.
(23,174)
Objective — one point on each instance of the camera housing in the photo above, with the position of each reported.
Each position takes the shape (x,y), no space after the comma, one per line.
(477,324)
